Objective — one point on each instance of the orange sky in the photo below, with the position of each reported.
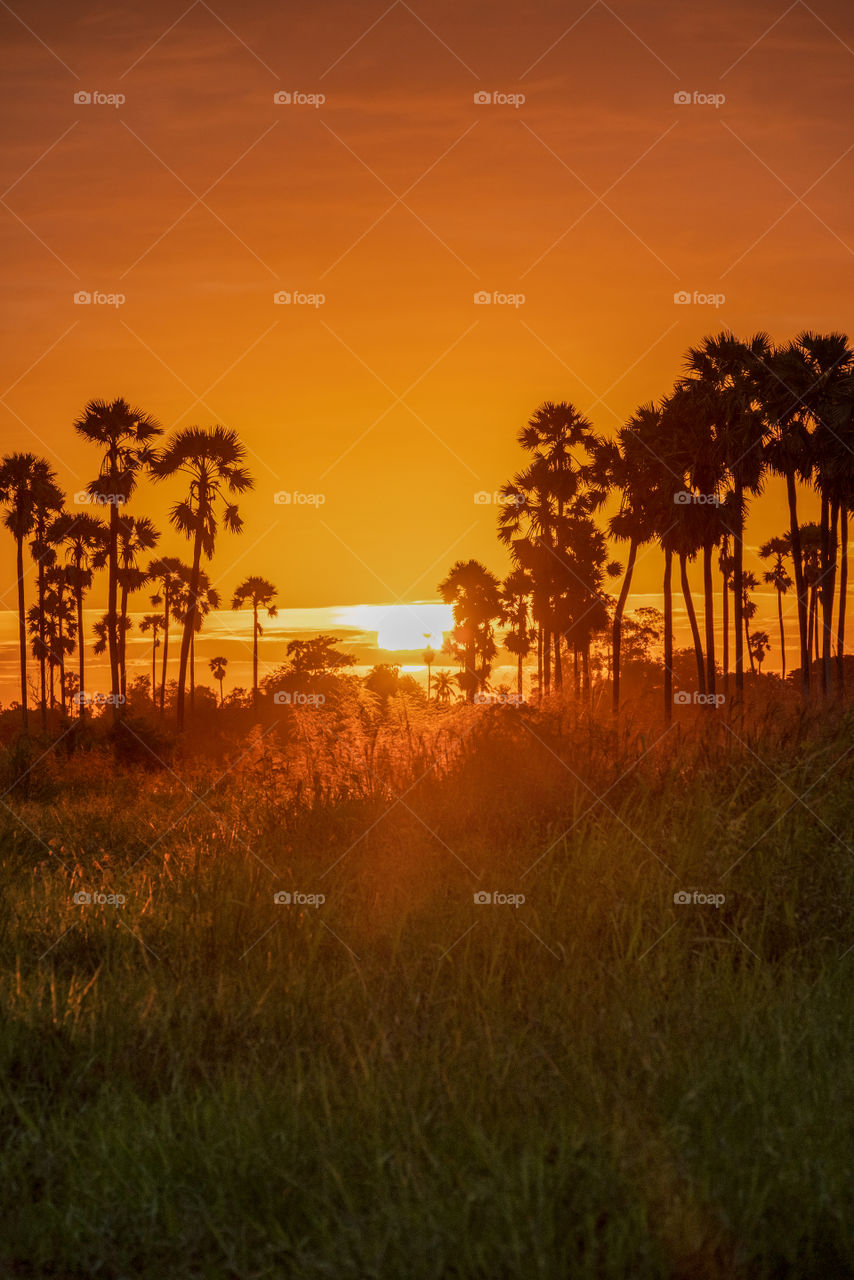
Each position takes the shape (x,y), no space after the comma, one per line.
(398,199)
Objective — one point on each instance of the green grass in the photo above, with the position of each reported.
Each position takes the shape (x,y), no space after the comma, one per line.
(401,1082)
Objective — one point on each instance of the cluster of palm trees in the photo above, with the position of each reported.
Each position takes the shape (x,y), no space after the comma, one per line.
(68,548)
(682,472)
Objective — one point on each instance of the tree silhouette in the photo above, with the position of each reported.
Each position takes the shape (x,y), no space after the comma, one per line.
(124,435)
(428,657)
(153,622)
(444,687)
(85,540)
(26,483)
(217,668)
(211,460)
(778,578)
(171,575)
(48,502)
(475,594)
(259,593)
(136,534)
(516,591)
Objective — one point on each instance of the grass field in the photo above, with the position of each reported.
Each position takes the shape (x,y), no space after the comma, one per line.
(401,1081)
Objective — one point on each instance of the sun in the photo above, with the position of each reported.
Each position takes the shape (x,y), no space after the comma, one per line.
(401,627)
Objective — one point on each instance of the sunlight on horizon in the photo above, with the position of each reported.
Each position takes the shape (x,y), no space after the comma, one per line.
(401,626)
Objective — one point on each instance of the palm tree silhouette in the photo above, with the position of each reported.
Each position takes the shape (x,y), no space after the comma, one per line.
(207,598)
(444,687)
(428,657)
(153,622)
(474,593)
(778,578)
(25,482)
(49,501)
(217,667)
(260,593)
(516,592)
(85,539)
(212,461)
(124,435)
(170,573)
(136,535)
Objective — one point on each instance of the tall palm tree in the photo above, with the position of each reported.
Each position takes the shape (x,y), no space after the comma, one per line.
(516,592)
(428,657)
(212,461)
(206,598)
(217,667)
(778,578)
(85,540)
(728,376)
(475,594)
(153,622)
(444,687)
(49,501)
(124,434)
(24,482)
(260,594)
(136,534)
(170,573)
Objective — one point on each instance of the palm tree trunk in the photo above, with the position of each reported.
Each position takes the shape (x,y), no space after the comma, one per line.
(725,621)
(828,593)
(668,636)
(154,666)
(824,570)
(166,612)
(122,638)
(749,646)
(193,670)
(547,660)
(558,664)
(617,626)
(800,582)
(189,624)
(585,671)
(782,632)
(539,660)
(255,655)
(61,660)
(692,619)
(22,629)
(81,648)
(738,556)
(843,593)
(220,692)
(709,615)
(518,678)
(42,642)
(112,593)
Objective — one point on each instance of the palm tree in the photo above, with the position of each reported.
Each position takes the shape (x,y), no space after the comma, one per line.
(48,501)
(217,667)
(444,687)
(24,481)
(207,598)
(259,592)
(778,578)
(153,622)
(760,643)
(428,657)
(749,583)
(169,572)
(212,461)
(728,377)
(516,592)
(136,534)
(86,540)
(475,594)
(124,435)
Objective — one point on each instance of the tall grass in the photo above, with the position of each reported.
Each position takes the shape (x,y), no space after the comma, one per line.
(402,1082)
